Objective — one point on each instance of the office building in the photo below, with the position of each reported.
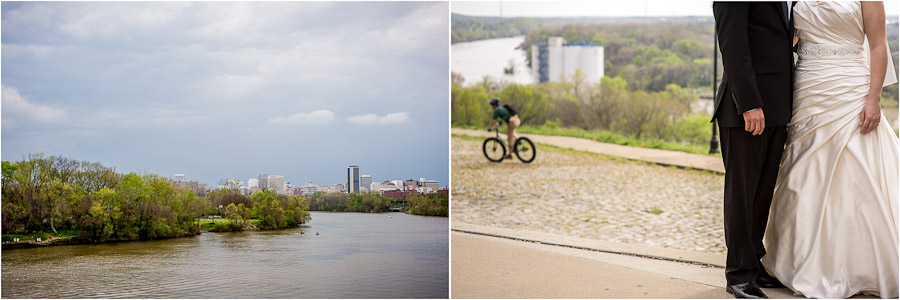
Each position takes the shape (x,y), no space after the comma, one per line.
(263,181)
(308,189)
(432,184)
(276,183)
(365,182)
(353,179)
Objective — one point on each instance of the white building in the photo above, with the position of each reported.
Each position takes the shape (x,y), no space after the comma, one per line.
(309,189)
(178,177)
(270,182)
(252,186)
(263,181)
(558,58)
(386,185)
(334,188)
(398,183)
(234,184)
(276,183)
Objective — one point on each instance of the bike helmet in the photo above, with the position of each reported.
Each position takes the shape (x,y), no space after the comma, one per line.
(495,101)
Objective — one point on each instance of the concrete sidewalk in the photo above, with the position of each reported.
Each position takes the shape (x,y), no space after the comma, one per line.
(657,156)
(489,262)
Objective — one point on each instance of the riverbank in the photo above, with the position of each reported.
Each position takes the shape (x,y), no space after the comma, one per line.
(70,237)
(435,204)
(62,240)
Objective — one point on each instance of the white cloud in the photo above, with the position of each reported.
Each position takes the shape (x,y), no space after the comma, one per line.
(15,106)
(145,118)
(394,118)
(316,117)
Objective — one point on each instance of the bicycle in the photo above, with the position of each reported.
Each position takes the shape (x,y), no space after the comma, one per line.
(494,148)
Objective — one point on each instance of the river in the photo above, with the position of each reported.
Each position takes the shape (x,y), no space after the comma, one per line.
(355,255)
(488,57)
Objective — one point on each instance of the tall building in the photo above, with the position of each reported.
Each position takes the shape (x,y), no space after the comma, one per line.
(276,183)
(263,181)
(365,182)
(556,58)
(252,186)
(353,179)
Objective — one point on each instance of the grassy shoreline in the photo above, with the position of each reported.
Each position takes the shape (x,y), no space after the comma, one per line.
(70,237)
(609,137)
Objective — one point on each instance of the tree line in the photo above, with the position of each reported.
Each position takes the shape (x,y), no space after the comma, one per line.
(468,29)
(649,56)
(428,205)
(51,193)
(649,53)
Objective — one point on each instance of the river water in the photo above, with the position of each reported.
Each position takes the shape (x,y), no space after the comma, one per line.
(355,255)
(488,58)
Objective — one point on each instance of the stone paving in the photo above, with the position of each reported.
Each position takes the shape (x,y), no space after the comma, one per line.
(587,195)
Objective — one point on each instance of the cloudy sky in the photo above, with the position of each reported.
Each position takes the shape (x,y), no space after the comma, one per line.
(230,90)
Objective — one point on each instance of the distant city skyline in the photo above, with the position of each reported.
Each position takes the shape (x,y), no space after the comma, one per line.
(254,179)
(219,90)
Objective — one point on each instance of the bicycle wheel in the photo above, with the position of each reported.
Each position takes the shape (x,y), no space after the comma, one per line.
(494,149)
(525,150)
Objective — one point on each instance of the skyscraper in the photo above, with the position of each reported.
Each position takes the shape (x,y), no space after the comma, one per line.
(353,179)
(365,182)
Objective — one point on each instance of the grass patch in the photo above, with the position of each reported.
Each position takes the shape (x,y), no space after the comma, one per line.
(611,137)
(615,138)
(467,137)
(570,151)
(656,211)
(42,235)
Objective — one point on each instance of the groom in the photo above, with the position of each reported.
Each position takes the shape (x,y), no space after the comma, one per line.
(753,107)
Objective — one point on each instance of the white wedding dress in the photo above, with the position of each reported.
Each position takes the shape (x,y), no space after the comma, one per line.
(832,230)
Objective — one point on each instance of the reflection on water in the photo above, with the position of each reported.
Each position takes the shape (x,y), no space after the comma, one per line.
(488,57)
(355,256)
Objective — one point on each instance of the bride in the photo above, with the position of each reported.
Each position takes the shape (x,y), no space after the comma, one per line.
(833,225)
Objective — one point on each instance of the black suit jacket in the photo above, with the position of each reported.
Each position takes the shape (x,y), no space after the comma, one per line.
(755,40)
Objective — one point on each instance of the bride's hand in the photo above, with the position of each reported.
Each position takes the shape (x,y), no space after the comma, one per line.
(870,116)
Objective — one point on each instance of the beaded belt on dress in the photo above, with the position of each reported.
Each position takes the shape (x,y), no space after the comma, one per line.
(828,51)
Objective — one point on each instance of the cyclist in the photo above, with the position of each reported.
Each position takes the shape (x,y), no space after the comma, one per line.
(509,115)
